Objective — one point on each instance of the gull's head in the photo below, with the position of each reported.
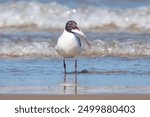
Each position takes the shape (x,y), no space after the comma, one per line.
(71,26)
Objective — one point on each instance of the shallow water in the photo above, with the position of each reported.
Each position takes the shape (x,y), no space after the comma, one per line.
(30,64)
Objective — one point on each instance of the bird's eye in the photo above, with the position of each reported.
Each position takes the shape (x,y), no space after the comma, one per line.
(69,23)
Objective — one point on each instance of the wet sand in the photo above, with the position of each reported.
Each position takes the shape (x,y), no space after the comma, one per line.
(75,97)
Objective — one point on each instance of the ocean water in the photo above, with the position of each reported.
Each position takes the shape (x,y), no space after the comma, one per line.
(92,15)
(116,62)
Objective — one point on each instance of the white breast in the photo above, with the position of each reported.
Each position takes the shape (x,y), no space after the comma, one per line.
(68,45)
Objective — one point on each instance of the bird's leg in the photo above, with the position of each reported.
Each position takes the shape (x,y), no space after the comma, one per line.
(64,66)
(75,66)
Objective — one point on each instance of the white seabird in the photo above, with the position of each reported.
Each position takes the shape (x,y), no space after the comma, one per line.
(69,44)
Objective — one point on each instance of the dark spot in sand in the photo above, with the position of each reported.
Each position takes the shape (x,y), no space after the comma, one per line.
(79,72)
(84,71)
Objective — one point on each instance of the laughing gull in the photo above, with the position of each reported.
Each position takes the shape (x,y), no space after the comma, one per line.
(69,44)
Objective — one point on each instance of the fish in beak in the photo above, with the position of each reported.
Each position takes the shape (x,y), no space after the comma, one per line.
(79,33)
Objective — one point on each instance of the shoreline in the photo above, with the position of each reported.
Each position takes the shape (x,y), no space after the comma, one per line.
(75,97)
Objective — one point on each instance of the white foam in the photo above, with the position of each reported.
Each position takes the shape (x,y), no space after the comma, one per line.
(54,16)
(43,48)
(116,48)
(24,48)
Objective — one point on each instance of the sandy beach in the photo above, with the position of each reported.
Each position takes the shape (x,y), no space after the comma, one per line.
(76,97)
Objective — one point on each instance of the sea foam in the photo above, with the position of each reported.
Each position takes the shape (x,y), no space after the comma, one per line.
(53,15)
(34,47)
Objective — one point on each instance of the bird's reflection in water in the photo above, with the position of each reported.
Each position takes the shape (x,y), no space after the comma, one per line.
(65,87)
(75,83)
(76,88)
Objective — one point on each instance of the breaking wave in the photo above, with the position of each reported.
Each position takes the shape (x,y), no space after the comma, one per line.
(116,48)
(46,48)
(52,15)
